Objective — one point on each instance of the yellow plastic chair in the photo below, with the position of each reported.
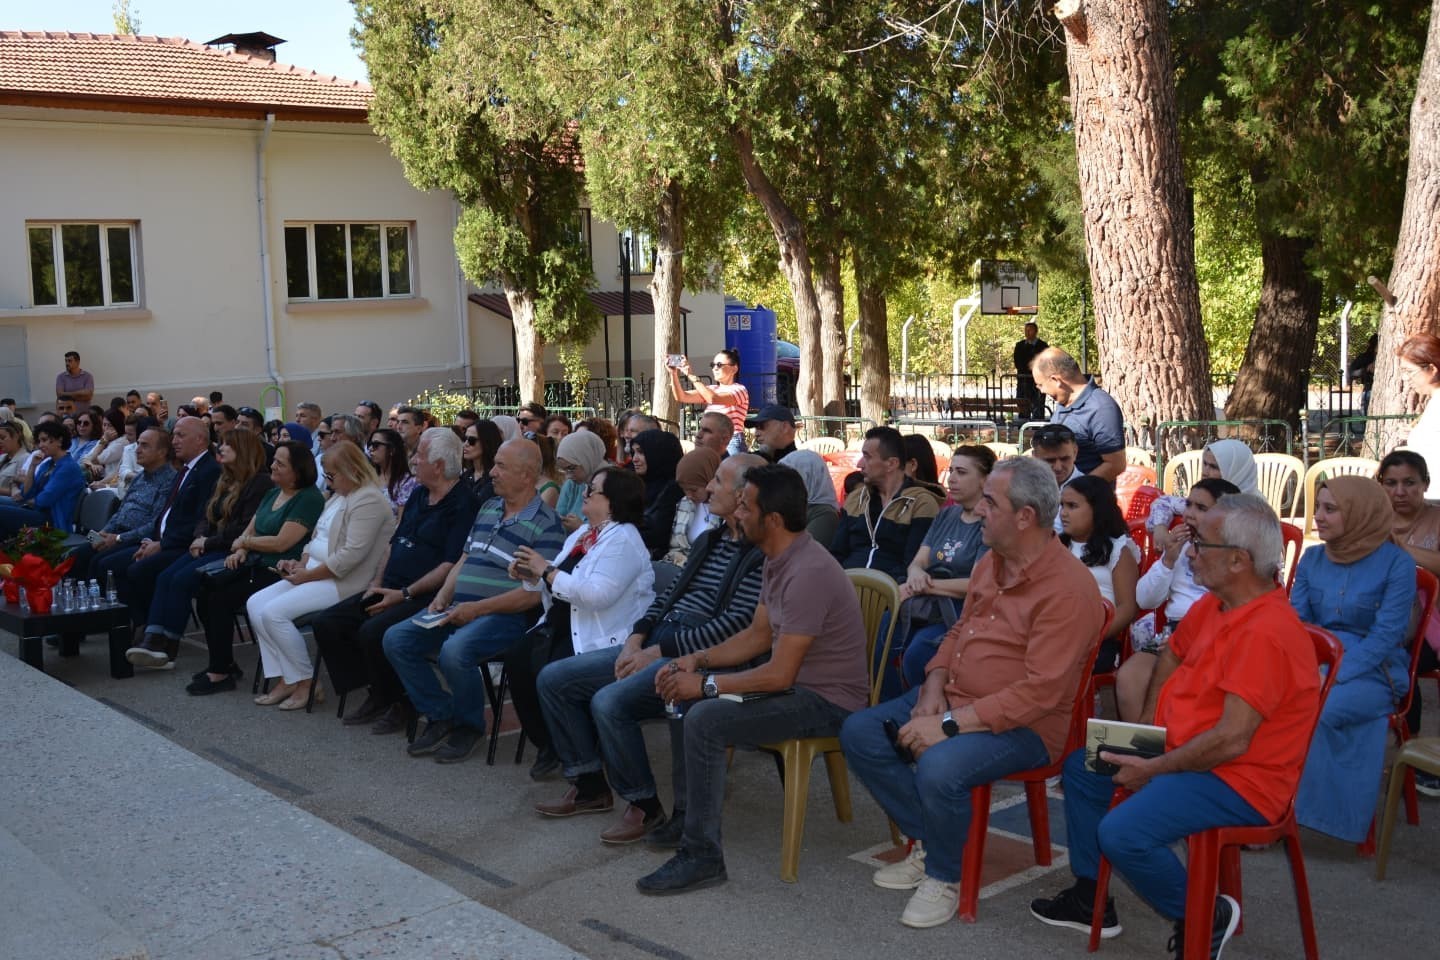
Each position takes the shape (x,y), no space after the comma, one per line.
(1182,470)
(822,445)
(686,445)
(1422,754)
(1139,457)
(878,595)
(1333,467)
(1280,477)
(1003,450)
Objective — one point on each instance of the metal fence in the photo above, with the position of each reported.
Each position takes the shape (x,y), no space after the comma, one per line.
(1261,436)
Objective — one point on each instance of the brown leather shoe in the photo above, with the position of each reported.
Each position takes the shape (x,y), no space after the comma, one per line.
(570,804)
(632,825)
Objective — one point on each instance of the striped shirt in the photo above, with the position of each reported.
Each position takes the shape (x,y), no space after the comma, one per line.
(142,504)
(702,597)
(733,400)
(484,573)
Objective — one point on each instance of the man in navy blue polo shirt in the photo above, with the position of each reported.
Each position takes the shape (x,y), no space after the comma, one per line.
(1090,413)
(487,610)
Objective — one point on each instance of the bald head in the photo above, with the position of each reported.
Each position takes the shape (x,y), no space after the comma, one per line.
(516,468)
(1055,362)
(729,480)
(191,438)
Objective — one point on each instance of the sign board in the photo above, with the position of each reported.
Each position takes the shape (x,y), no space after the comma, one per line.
(1008,287)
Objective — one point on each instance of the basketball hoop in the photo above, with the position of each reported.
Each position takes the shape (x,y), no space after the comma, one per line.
(1030,311)
(1007,288)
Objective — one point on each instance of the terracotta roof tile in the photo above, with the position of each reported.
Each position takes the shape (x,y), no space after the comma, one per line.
(98,66)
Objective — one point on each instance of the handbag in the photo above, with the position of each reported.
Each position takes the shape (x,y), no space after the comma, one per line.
(215,574)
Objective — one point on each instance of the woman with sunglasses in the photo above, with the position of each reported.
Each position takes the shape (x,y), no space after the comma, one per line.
(725,395)
(102,464)
(87,436)
(387,455)
(482,442)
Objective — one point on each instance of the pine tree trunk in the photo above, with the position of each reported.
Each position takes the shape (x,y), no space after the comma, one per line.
(795,265)
(1415,276)
(830,293)
(529,347)
(1274,376)
(665,286)
(1139,239)
(874,346)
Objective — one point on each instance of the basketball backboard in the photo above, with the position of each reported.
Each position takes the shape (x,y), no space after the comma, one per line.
(1008,287)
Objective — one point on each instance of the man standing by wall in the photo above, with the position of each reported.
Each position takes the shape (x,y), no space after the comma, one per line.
(75,383)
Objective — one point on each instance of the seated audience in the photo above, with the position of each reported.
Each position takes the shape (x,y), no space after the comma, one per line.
(774,428)
(464,418)
(632,424)
(1236,690)
(342,556)
(1056,446)
(102,463)
(920,463)
(594,702)
(997,695)
(823,513)
(309,416)
(410,423)
(598,585)
(135,425)
(138,509)
(692,516)
(654,455)
(607,433)
(278,531)
(509,427)
(939,577)
(49,495)
(387,455)
(808,620)
(1095,532)
(293,432)
(714,431)
(557,427)
(486,612)
(1360,586)
(15,456)
(885,519)
(1416,528)
(530,417)
(368,413)
(429,539)
(1222,460)
(578,456)
(548,483)
(482,442)
(87,435)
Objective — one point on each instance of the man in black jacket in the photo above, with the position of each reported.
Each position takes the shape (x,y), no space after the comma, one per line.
(885,519)
(196,472)
(594,703)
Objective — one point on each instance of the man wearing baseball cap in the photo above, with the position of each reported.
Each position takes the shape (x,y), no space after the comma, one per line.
(774,428)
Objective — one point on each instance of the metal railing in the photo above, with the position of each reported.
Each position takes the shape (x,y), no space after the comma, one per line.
(848,429)
(1261,436)
(952,432)
(1359,436)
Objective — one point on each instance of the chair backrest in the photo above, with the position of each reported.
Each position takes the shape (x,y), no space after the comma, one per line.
(943,450)
(1333,467)
(1139,457)
(1328,653)
(1003,450)
(1140,501)
(1279,477)
(1294,546)
(878,595)
(1426,589)
(822,445)
(96,509)
(1083,707)
(1140,533)
(1131,481)
(1182,470)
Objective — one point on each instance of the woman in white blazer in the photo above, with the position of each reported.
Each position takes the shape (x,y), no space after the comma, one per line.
(595,589)
(349,540)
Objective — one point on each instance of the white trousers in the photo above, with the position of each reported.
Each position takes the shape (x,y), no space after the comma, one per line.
(272,614)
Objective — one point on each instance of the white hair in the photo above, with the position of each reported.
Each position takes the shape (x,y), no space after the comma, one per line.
(1248,522)
(445,447)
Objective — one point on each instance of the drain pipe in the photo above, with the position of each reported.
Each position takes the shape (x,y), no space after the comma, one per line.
(262,201)
(462,306)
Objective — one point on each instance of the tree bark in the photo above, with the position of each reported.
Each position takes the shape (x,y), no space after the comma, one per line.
(1139,238)
(796,266)
(1415,275)
(529,346)
(665,287)
(874,346)
(830,294)
(1274,376)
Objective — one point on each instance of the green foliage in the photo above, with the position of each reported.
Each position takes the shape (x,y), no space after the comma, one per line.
(126,19)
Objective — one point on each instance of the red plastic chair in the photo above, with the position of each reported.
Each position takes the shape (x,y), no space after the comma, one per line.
(1295,537)
(973,858)
(1131,481)
(1426,588)
(1140,500)
(841,465)
(1214,860)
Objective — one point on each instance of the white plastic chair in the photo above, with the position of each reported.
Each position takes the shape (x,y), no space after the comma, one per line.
(1280,478)
(822,445)
(1182,470)
(1333,467)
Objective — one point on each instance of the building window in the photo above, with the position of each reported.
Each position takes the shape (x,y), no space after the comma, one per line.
(83,264)
(642,250)
(348,261)
(580,227)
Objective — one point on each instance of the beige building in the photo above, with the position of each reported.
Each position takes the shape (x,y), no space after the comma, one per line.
(192,218)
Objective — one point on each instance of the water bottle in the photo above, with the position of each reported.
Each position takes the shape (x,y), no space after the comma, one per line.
(112,597)
(24,602)
(94,603)
(674,710)
(62,595)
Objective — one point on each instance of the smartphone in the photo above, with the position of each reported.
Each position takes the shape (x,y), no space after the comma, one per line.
(676,360)
(892,733)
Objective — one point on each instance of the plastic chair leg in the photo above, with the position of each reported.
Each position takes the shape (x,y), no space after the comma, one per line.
(1412,800)
(1230,880)
(1102,893)
(1201,884)
(1387,822)
(314,680)
(1302,895)
(797,758)
(972,861)
(839,784)
(1039,820)
(1365,849)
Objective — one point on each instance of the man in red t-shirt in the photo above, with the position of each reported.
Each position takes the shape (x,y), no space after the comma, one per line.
(1237,690)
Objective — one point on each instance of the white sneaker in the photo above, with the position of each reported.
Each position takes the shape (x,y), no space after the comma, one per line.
(934,903)
(905,875)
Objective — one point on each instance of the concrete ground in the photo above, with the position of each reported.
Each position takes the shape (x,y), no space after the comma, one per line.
(471,826)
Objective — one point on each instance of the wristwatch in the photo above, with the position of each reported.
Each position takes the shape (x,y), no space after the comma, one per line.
(405,593)
(948,724)
(709,688)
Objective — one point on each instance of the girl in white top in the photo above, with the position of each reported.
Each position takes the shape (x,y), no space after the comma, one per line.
(1420,365)
(1095,531)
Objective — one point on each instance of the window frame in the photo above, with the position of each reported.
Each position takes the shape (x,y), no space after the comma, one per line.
(57,255)
(384,227)
(640,241)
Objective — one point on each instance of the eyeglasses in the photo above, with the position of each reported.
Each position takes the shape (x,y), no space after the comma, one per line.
(322,434)
(591,491)
(1197,545)
(1051,436)
(472,441)
(717,366)
(376,445)
(248,412)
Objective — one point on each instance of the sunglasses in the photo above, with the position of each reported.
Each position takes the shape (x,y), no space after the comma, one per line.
(472,441)
(248,412)
(717,366)
(322,434)
(377,445)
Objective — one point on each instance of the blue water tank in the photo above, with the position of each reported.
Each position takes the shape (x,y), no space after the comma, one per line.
(751,332)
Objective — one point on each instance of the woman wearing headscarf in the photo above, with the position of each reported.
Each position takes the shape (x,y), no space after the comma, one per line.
(692,515)
(296,432)
(1221,460)
(654,456)
(577,456)
(509,427)
(822,506)
(1359,585)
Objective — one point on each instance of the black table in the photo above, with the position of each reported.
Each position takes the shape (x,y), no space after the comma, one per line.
(30,627)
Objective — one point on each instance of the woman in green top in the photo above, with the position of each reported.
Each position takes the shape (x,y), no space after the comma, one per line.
(278,531)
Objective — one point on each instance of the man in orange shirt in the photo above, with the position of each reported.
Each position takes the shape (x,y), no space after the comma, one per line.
(997,695)
(1237,691)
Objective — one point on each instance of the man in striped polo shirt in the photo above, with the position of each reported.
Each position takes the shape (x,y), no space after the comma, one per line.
(488,611)
(594,703)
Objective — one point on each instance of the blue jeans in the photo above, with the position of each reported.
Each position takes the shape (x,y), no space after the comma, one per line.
(462,651)
(594,718)
(930,799)
(13,517)
(924,644)
(175,588)
(1136,836)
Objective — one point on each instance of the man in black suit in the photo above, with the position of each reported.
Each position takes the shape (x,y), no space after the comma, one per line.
(196,473)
